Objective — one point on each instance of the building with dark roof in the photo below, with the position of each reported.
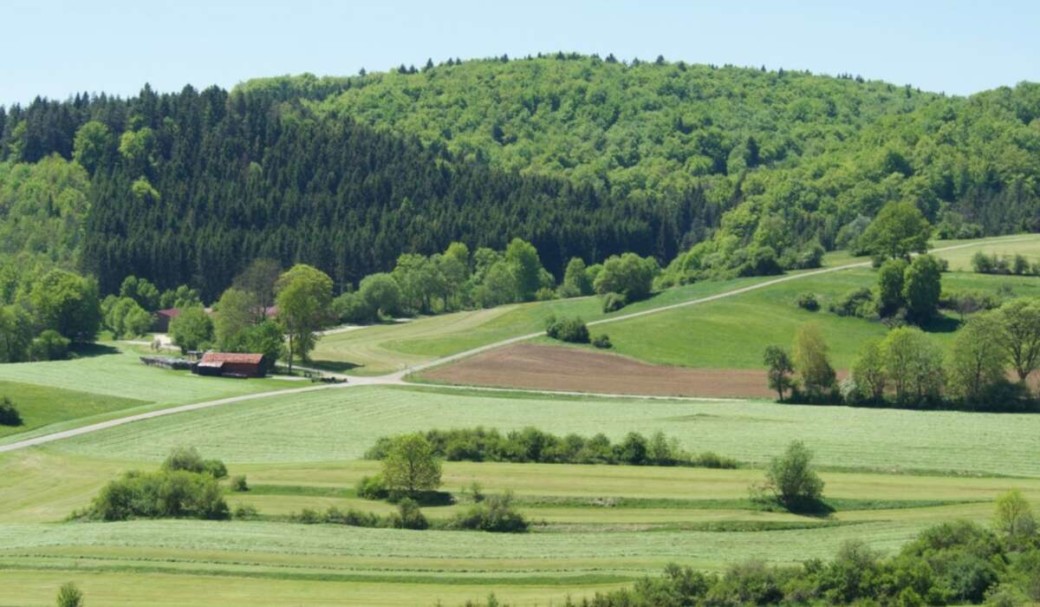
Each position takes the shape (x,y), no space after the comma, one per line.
(231,364)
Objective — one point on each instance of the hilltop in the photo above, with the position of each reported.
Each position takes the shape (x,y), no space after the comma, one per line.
(580,155)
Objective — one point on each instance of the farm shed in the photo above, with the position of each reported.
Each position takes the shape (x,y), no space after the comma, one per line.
(161,319)
(230,364)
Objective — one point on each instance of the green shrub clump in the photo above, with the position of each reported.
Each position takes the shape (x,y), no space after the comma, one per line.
(189,460)
(494,513)
(808,301)
(602,341)
(858,302)
(612,302)
(163,494)
(9,415)
(571,330)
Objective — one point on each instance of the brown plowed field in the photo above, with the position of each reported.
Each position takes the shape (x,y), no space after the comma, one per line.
(538,367)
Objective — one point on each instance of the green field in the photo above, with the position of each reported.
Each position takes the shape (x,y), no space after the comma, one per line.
(41,406)
(732,333)
(599,526)
(387,348)
(727,334)
(59,395)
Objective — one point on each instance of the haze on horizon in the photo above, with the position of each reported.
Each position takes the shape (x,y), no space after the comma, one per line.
(63,47)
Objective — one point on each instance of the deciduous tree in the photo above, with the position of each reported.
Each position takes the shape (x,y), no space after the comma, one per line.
(304,297)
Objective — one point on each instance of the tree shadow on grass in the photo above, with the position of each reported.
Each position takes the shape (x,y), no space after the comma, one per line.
(333,366)
(941,324)
(813,508)
(92,350)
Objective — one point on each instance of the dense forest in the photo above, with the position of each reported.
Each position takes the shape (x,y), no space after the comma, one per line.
(581,156)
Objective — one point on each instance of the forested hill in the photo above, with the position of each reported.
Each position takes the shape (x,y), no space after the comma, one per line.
(580,155)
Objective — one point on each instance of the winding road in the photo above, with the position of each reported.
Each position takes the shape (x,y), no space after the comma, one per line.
(398,377)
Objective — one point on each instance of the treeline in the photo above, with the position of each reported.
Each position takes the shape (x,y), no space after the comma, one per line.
(580,156)
(532,445)
(953,563)
(187,188)
(908,369)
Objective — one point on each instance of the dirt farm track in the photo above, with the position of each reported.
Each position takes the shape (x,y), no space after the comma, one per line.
(538,367)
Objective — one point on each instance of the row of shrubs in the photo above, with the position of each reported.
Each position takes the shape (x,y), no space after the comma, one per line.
(950,564)
(1018,265)
(861,302)
(532,445)
(492,513)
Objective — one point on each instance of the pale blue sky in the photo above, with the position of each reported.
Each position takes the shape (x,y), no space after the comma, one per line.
(56,48)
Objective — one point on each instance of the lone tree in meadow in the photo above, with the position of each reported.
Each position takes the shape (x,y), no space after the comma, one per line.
(779,370)
(304,303)
(791,480)
(410,466)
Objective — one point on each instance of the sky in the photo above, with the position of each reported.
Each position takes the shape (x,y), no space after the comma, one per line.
(58,48)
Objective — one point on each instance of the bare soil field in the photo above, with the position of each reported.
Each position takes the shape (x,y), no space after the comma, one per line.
(540,367)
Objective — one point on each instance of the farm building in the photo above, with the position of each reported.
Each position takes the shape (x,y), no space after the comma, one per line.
(229,364)
(161,319)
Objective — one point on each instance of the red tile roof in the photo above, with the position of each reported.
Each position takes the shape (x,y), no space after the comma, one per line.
(170,312)
(232,357)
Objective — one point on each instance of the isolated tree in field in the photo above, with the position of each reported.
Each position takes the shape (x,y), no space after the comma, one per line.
(913,365)
(410,465)
(898,230)
(70,596)
(811,363)
(1021,334)
(922,286)
(779,370)
(978,357)
(258,280)
(1013,518)
(304,300)
(869,372)
(9,415)
(890,286)
(791,479)
(192,329)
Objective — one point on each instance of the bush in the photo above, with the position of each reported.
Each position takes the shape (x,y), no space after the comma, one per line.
(408,516)
(495,513)
(239,484)
(70,596)
(791,480)
(808,301)
(9,415)
(571,330)
(245,512)
(612,302)
(49,345)
(858,302)
(372,488)
(602,341)
(352,518)
(189,460)
(307,516)
(164,494)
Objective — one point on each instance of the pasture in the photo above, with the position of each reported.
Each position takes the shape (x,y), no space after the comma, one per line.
(59,395)
(889,474)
